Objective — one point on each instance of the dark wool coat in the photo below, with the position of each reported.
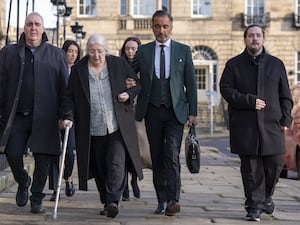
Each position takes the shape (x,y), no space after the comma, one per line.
(50,80)
(77,98)
(242,82)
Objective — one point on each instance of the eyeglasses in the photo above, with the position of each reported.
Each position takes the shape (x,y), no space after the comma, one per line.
(94,52)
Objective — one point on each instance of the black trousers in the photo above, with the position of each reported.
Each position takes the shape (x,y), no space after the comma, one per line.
(107,160)
(165,135)
(17,145)
(260,175)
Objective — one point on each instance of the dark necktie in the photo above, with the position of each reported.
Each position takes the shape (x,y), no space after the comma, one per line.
(162,69)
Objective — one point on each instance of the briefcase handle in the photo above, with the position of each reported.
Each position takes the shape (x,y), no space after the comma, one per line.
(192,131)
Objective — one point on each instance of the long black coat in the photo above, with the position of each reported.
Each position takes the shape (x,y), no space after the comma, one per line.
(50,80)
(77,99)
(242,82)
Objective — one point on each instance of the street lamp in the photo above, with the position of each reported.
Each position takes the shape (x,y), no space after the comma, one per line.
(77,30)
(58,9)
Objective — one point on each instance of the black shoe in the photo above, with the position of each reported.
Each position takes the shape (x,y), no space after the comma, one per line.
(135,188)
(112,210)
(37,208)
(22,193)
(103,211)
(172,208)
(53,196)
(125,198)
(161,208)
(269,207)
(70,189)
(253,215)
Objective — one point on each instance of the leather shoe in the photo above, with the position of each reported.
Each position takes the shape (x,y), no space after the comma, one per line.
(253,215)
(70,189)
(161,208)
(112,210)
(53,196)
(37,208)
(172,208)
(22,193)
(103,211)
(125,199)
(269,207)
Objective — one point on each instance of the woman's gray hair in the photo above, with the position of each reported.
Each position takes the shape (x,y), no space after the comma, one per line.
(97,39)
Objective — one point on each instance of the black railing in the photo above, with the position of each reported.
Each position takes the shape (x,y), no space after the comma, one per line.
(261,19)
(138,24)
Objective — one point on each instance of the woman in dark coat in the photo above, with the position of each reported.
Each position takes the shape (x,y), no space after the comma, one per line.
(101,106)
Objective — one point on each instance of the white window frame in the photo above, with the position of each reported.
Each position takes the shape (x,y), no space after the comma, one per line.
(251,6)
(124,7)
(135,8)
(87,3)
(139,8)
(200,5)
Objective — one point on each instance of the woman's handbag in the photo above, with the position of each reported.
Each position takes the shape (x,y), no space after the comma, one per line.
(192,151)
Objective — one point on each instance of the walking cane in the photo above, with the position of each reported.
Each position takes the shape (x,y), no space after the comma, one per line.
(65,143)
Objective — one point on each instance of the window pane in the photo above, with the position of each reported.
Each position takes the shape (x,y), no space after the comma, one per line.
(166,5)
(87,7)
(144,8)
(255,7)
(200,78)
(123,10)
(201,7)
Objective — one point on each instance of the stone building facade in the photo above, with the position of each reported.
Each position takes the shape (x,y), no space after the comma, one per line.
(212,28)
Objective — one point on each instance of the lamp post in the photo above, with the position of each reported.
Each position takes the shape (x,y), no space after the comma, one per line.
(65,16)
(58,9)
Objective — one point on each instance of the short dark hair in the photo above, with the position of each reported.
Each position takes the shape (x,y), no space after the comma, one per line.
(67,44)
(162,13)
(254,25)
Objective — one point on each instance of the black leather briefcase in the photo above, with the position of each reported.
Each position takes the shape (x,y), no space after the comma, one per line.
(192,151)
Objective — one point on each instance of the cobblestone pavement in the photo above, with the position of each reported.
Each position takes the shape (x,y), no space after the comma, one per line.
(214,196)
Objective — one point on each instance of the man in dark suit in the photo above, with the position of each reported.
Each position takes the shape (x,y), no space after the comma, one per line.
(167,101)
(255,85)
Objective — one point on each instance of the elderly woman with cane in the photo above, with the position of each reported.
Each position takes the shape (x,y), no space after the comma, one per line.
(101,105)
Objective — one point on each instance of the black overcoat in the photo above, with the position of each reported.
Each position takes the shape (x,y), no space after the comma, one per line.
(242,82)
(77,108)
(50,80)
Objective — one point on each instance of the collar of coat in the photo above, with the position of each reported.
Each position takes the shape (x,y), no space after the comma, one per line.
(22,41)
(255,59)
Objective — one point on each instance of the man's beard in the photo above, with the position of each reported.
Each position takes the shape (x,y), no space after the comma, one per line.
(254,51)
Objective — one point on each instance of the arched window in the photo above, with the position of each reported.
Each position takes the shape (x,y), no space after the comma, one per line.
(206,62)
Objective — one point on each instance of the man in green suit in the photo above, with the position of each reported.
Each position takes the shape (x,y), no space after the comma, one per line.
(167,101)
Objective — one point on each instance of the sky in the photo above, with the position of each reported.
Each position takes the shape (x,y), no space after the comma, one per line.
(41,6)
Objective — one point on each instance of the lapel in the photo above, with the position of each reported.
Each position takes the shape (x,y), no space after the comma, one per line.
(150,51)
(173,58)
(83,76)
(112,73)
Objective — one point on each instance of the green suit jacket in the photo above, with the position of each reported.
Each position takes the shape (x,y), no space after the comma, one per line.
(182,80)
